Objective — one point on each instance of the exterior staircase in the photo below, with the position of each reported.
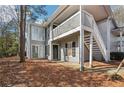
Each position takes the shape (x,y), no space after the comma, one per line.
(96,51)
(98,48)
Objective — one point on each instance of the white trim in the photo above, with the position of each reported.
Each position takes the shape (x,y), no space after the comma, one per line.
(91,50)
(68,19)
(89,29)
(81,42)
(121,41)
(108,38)
(67,33)
(58,50)
(72,31)
(31,49)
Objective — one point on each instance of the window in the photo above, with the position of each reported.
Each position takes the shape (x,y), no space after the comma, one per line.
(73,49)
(37,33)
(66,46)
(35,51)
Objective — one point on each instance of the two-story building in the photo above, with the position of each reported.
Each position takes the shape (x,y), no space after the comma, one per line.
(35,41)
(74,33)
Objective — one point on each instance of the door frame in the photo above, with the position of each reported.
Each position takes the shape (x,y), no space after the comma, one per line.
(58,51)
(32,49)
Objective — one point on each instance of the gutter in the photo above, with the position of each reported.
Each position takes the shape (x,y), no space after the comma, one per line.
(56,14)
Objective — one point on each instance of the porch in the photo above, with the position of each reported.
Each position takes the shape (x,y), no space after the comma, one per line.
(80,22)
(118,39)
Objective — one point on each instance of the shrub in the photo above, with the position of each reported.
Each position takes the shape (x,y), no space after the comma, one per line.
(116,77)
(116,55)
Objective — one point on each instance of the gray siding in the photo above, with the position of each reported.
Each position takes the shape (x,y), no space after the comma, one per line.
(103,30)
(70,58)
(37,40)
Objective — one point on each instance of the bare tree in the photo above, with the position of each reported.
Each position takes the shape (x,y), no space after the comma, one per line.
(119,15)
(22,32)
(35,13)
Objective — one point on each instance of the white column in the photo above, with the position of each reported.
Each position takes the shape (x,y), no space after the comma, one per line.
(91,48)
(121,41)
(50,44)
(29,50)
(81,42)
(108,39)
(51,31)
(30,38)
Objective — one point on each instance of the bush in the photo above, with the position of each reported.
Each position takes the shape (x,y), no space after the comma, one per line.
(116,55)
(116,77)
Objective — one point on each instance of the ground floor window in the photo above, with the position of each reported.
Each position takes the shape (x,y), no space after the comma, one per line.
(34,51)
(73,49)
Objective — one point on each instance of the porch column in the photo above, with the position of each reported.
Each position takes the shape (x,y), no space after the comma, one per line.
(81,42)
(50,43)
(91,52)
(30,38)
(108,39)
(121,41)
(29,48)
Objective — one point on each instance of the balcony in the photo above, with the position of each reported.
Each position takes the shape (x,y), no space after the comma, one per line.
(72,23)
(117,39)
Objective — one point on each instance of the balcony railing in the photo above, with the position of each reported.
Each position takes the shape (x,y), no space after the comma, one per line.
(117,39)
(69,24)
(72,23)
(87,19)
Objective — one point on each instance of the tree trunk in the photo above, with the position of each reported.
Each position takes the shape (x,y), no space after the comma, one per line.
(22,32)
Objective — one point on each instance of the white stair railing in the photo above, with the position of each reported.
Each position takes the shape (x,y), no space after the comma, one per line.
(97,35)
(99,39)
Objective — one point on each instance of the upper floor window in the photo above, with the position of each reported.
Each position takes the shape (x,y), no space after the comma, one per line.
(73,49)
(37,33)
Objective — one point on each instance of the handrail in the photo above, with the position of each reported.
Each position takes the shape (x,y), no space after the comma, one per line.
(87,13)
(99,39)
(98,36)
(58,31)
(55,30)
(89,18)
(68,19)
(118,39)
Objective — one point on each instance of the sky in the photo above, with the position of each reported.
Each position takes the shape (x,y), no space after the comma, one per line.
(50,10)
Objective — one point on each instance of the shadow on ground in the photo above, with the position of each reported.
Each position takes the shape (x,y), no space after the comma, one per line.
(35,74)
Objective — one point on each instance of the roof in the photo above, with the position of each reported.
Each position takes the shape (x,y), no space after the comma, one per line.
(90,8)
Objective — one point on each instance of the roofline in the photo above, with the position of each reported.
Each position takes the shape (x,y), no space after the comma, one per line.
(35,24)
(61,8)
(55,14)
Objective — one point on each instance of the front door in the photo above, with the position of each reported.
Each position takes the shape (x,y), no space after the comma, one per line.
(55,52)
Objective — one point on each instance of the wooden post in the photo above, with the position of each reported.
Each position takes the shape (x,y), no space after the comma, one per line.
(91,48)
(81,42)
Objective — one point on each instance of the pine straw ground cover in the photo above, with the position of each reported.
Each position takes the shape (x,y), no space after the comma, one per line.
(44,73)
